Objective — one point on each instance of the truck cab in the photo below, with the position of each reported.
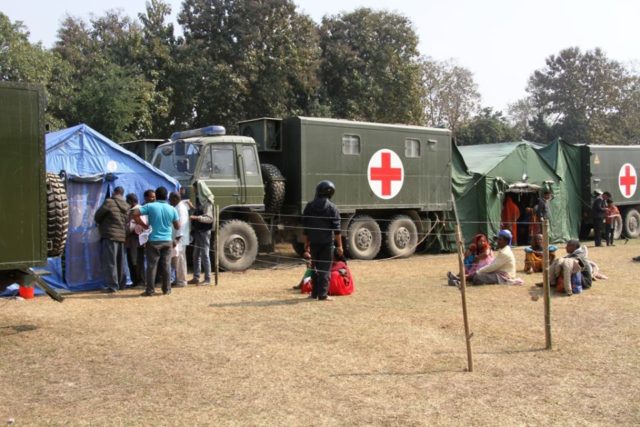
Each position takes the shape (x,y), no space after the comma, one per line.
(227,164)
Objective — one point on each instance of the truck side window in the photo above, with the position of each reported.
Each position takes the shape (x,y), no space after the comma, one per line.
(249,161)
(351,144)
(219,162)
(411,148)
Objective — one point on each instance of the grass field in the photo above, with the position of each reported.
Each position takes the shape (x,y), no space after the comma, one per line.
(253,352)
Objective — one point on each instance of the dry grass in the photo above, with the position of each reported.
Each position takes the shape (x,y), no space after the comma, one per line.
(252,352)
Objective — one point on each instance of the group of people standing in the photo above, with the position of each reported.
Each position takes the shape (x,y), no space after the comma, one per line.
(153,237)
(604,212)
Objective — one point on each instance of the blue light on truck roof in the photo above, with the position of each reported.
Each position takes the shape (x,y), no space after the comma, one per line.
(212,130)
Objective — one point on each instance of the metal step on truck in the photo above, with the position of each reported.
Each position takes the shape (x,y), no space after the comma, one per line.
(393,182)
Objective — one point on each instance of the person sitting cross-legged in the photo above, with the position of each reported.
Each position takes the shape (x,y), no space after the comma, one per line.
(502,269)
(533,255)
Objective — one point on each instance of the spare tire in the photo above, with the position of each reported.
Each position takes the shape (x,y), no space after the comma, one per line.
(57,215)
(274,188)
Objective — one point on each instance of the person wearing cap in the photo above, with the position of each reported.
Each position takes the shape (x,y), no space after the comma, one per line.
(599,212)
(503,268)
(321,228)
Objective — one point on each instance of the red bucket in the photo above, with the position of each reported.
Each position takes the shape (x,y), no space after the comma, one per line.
(26,292)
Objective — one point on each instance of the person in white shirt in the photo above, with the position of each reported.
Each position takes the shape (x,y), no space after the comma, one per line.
(180,240)
(503,268)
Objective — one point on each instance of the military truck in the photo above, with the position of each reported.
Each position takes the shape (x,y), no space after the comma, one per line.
(614,169)
(34,203)
(393,181)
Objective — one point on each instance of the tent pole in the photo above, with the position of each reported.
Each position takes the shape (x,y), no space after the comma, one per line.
(546,285)
(463,288)
(216,214)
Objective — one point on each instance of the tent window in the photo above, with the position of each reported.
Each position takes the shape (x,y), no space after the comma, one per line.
(351,145)
(411,148)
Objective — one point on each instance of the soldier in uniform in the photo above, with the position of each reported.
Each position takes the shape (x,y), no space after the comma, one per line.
(321,222)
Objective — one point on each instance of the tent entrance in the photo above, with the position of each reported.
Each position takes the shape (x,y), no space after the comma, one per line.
(518,213)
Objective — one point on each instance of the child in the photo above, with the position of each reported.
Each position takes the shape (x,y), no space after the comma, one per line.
(610,221)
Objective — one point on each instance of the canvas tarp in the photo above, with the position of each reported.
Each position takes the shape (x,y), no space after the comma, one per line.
(93,166)
(565,159)
(491,170)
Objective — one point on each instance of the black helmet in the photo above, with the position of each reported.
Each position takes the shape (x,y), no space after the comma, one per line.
(325,189)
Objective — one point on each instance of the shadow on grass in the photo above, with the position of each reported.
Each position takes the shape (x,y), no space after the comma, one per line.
(102,295)
(524,350)
(269,303)
(16,329)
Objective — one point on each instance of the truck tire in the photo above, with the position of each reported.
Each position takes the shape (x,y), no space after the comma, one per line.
(274,188)
(363,238)
(617,228)
(57,215)
(401,237)
(632,223)
(237,245)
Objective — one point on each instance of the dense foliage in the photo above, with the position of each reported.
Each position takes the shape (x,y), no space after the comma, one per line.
(135,78)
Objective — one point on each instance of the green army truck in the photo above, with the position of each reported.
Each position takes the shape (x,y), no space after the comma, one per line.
(393,182)
(34,204)
(614,169)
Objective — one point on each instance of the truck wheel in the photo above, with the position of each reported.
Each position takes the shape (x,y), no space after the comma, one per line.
(632,223)
(274,188)
(57,215)
(363,238)
(237,246)
(617,230)
(401,237)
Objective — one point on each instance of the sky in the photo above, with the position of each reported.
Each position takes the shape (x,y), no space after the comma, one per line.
(502,42)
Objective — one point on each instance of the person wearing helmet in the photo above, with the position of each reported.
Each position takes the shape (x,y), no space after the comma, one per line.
(321,228)
(503,268)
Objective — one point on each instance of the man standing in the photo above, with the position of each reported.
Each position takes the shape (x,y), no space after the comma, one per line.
(180,240)
(111,218)
(599,212)
(135,251)
(321,222)
(202,223)
(158,249)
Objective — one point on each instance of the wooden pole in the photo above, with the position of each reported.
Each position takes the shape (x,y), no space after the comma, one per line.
(546,285)
(216,214)
(463,295)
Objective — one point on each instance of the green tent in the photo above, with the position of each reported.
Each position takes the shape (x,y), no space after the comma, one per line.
(484,174)
(566,160)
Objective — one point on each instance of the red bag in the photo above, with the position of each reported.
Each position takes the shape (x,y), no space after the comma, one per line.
(341,279)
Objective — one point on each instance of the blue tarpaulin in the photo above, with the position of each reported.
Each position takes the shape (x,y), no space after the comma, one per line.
(93,166)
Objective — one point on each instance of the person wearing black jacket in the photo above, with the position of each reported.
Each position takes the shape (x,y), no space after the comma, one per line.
(321,222)
(112,218)
(599,212)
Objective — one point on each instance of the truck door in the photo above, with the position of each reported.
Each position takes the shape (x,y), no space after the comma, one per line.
(219,170)
(250,174)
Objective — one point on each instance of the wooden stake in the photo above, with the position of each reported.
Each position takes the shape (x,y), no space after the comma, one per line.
(216,214)
(546,285)
(463,295)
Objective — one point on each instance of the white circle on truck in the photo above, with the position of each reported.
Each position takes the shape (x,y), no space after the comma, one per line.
(385,174)
(627,180)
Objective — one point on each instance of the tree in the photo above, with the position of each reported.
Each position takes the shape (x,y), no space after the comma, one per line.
(488,127)
(578,94)
(451,95)
(370,67)
(246,59)
(102,81)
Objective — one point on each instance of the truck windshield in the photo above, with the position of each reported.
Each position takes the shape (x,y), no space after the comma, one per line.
(177,159)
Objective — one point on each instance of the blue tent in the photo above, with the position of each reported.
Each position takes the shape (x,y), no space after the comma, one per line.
(93,166)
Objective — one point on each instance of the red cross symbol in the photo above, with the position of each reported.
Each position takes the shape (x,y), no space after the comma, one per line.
(628,180)
(386,174)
